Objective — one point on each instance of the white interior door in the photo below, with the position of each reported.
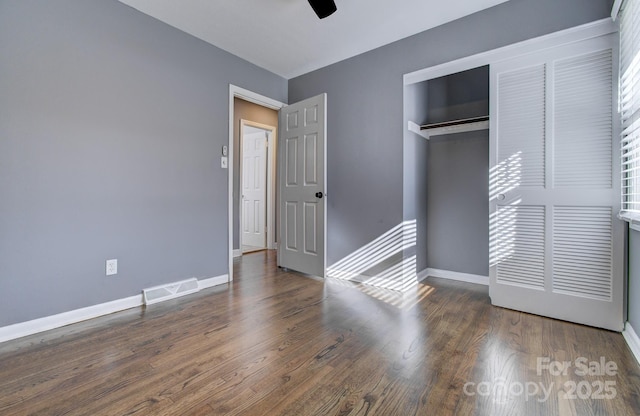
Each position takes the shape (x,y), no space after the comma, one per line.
(254,189)
(557,248)
(302,179)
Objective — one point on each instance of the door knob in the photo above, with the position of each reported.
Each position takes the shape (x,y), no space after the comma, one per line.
(501,197)
(318,194)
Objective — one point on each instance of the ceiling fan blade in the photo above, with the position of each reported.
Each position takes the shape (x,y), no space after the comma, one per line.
(323,8)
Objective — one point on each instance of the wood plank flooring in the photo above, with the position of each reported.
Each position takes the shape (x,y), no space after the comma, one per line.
(278,343)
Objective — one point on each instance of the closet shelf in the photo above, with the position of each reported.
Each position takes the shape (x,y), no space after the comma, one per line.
(455,126)
(453,122)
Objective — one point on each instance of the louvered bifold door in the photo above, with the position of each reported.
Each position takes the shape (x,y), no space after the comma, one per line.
(557,248)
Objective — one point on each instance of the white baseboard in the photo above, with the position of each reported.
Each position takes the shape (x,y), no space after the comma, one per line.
(462,277)
(213,281)
(237,253)
(23,329)
(632,340)
(35,326)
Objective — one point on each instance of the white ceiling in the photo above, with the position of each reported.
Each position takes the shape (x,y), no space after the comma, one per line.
(287,38)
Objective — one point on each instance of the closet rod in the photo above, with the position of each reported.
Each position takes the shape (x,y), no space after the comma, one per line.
(454,122)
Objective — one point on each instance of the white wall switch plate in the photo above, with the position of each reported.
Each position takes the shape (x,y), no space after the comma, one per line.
(112,267)
(223,162)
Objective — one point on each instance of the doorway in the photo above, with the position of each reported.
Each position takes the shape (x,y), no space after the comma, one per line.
(304,222)
(249,106)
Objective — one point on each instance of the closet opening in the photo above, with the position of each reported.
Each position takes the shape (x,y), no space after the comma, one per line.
(553,244)
(447,174)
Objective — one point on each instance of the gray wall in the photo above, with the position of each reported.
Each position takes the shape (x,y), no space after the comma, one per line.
(458,203)
(244,110)
(365,103)
(634,280)
(111,125)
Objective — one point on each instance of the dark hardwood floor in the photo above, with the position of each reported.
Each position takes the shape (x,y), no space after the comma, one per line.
(277,343)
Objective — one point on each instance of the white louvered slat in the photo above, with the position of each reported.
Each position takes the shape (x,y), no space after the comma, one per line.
(520,246)
(521,123)
(583,121)
(582,251)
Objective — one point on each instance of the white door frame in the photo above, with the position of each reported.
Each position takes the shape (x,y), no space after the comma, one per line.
(272,135)
(247,95)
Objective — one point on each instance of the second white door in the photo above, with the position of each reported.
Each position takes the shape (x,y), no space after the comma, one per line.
(254,189)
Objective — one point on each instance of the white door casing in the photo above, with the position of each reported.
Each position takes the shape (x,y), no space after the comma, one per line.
(302,179)
(557,248)
(253,189)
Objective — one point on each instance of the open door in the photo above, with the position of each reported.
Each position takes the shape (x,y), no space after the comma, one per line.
(302,179)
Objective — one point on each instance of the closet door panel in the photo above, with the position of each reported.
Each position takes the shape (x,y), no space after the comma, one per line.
(520,250)
(582,247)
(521,133)
(556,247)
(583,121)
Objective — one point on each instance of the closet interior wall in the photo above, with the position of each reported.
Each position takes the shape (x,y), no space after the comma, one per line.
(415,172)
(457,175)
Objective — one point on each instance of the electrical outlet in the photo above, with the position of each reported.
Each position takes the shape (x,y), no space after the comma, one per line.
(223,162)
(112,267)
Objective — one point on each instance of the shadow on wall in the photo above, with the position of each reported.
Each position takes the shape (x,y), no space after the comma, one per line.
(381,263)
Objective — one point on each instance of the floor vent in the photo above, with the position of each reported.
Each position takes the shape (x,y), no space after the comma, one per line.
(169,291)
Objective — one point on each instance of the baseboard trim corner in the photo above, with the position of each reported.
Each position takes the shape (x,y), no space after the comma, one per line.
(237,253)
(461,277)
(632,340)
